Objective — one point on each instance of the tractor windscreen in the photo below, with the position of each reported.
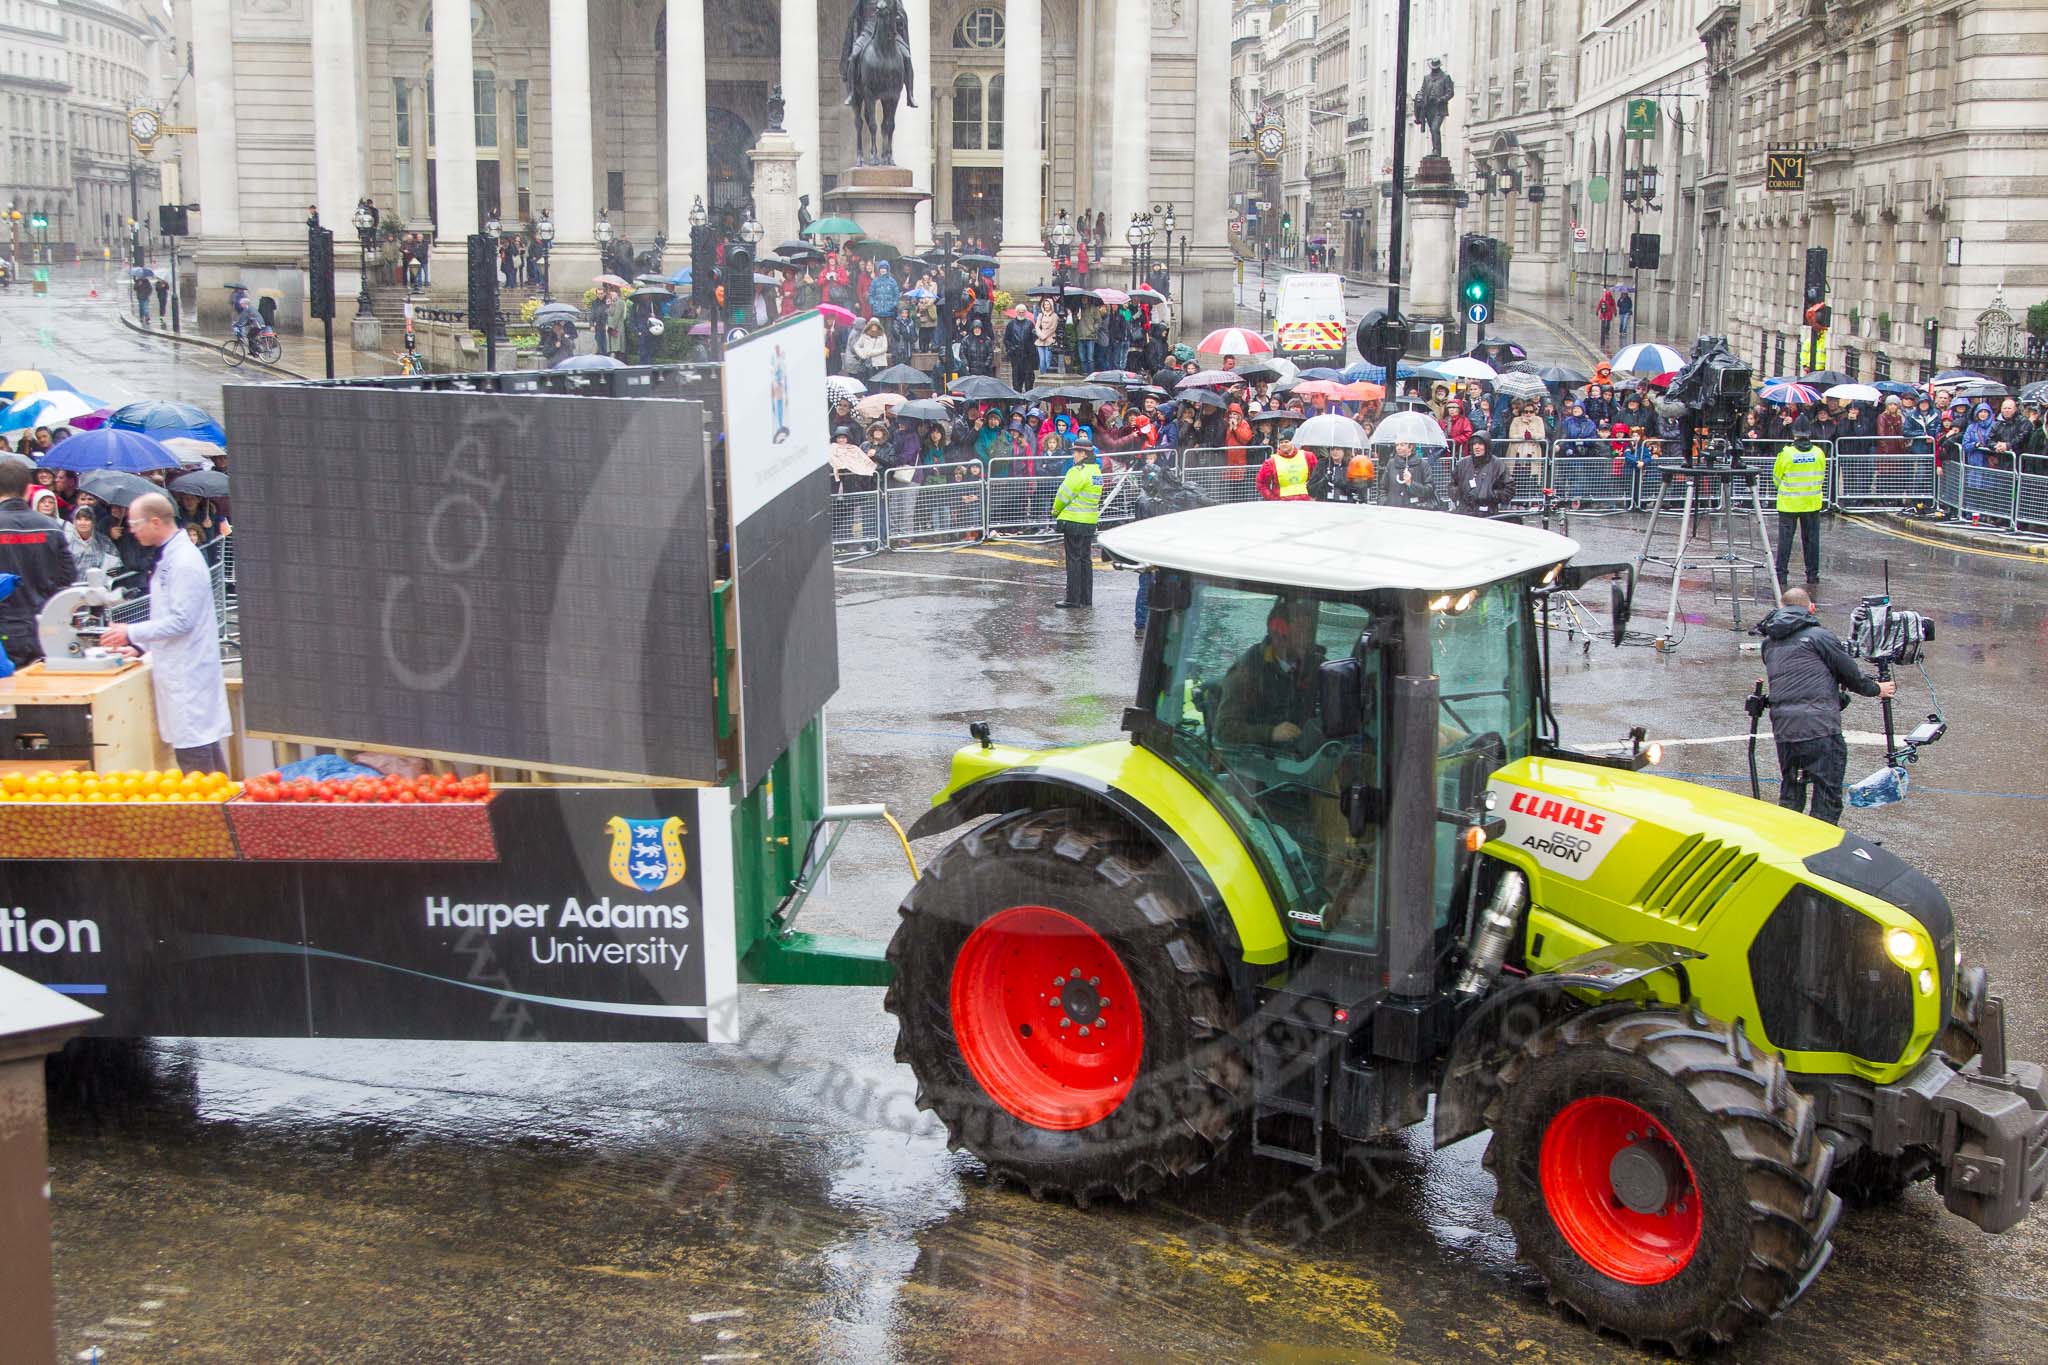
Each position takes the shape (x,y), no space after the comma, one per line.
(1480,650)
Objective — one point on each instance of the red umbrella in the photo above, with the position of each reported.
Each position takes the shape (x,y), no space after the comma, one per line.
(835,313)
(1235,341)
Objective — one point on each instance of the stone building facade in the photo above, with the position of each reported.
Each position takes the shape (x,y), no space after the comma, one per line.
(445,110)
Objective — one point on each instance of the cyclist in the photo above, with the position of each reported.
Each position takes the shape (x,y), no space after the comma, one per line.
(248,323)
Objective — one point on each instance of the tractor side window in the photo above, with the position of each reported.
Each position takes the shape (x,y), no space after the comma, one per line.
(1487,714)
(1238,695)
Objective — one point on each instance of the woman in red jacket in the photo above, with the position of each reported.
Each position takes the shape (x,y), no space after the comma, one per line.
(1457,427)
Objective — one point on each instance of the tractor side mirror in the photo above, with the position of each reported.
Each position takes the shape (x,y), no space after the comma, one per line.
(1340,685)
(1619,604)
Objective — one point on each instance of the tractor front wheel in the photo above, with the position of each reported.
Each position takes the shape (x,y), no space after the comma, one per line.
(1065,1014)
(1661,1174)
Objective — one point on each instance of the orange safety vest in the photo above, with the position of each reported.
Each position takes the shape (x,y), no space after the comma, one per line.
(1290,476)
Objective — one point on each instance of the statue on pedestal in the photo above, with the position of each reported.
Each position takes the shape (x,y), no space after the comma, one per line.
(874,65)
(1433,104)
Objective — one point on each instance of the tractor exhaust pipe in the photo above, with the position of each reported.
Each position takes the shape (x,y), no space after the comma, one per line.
(1492,935)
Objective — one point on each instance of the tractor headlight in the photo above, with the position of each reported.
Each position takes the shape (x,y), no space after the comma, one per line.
(1905,948)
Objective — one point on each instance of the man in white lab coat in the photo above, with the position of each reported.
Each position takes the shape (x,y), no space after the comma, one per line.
(182,637)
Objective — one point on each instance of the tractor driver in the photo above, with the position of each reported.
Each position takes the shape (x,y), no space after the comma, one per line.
(1269,695)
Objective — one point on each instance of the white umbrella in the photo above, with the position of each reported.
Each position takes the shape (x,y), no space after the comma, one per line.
(191,451)
(1235,341)
(879,404)
(1520,386)
(844,386)
(1647,357)
(1330,431)
(1854,393)
(1464,367)
(1408,428)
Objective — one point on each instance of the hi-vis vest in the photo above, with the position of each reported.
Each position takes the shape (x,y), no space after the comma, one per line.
(1290,476)
(1080,496)
(1802,478)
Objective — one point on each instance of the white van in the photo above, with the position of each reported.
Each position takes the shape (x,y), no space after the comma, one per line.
(1309,326)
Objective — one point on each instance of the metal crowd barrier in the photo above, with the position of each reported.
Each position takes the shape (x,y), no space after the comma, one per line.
(220,570)
(958,502)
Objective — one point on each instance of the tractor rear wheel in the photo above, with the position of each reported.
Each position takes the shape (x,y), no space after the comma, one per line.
(1064,1011)
(1661,1174)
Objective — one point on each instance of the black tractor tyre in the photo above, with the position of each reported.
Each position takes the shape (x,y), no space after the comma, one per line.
(1747,1136)
(1192,1086)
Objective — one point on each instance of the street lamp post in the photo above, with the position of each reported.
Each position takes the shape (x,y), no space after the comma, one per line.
(366,227)
(1163,217)
(1061,234)
(544,233)
(495,326)
(602,232)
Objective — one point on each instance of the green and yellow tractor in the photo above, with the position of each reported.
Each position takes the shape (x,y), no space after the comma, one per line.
(1340,864)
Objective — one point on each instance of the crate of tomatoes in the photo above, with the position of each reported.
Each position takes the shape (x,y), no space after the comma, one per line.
(436,817)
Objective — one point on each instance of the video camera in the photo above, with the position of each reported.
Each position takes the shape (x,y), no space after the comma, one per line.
(1888,637)
(1713,389)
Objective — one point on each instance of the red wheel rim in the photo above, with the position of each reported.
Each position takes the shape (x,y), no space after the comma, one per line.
(1046,1018)
(1578,1166)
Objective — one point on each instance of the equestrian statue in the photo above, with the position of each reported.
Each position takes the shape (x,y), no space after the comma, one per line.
(874,65)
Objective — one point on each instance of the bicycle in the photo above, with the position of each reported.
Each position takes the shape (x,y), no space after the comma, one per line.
(265,349)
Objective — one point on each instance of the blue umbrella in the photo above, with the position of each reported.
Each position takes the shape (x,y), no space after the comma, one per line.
(1895,386)
(1367,372)
(164,420)
(589,362)
(1787,392)
(1323,372)
(681,276)
(109,448)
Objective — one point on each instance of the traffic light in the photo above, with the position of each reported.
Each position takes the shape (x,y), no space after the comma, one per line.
(1819,316)
(739,276)
(1476,273)
(39,221)
(1816,274)
(320,270)
(173,220)
(703,269)
(483,284)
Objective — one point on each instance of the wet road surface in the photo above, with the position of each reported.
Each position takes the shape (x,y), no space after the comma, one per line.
(783,1199)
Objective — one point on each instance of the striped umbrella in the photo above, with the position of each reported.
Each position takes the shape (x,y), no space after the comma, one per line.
(1235,341)
(1520,385)
(1647,357)
(1786,391)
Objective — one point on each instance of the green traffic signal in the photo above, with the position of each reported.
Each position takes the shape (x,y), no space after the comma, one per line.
(1475,291)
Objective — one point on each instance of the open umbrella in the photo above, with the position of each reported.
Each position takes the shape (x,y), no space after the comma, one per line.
(164,420)
(1322,372)
(1981,388)
(2035,392)
(612,281)
(983,388)
(1520,386)
(843,386)
(1085,393)
(974,260)
(113,487)
(549,313)
(904,376)
(1900,388)
(1786,391)
(20,382)
(1113,297)
(1209,379)
(1120,378)
(110,448)
(837,314)
(139,272)
(192,452)
(925,410)
(1853,393)
(683,276)
(833,227)
(1464,367)
(1319,388)
(1330,431)
(589,362)
(874,405)
(652,291)
(1647,357)
(1235,341)
(796,249)
(88,421)
(1430,369)
(1563,376)
(50,408)
(875,249)
(1145,294)
(1262,369)
(1940,381)
(1820,379)
(1205,399)
(202,483)
(1408,428)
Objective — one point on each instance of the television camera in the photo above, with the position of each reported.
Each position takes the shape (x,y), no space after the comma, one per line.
(1710,397)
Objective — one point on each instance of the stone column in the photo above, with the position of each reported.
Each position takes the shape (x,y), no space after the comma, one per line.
(337,117)
(800,93)
(914,126)
(1130,154)
(571,189)
(1208,297)
(1023,253)
(454,146)
(689,170)
(213,81)
(941,207)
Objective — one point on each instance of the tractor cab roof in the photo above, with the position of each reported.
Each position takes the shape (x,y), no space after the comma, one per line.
(1337,547)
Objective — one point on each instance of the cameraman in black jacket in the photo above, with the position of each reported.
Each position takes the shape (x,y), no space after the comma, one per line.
(1808,667)
(32,547)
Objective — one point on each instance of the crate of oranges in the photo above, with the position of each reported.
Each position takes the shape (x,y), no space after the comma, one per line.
(432,818)
(116,815)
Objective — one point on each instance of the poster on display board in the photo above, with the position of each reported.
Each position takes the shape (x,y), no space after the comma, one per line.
(779,486)
(547,914)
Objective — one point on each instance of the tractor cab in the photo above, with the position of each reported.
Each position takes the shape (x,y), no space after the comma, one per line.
(1284,661)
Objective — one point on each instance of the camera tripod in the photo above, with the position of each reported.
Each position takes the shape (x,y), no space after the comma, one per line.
(1736,482)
